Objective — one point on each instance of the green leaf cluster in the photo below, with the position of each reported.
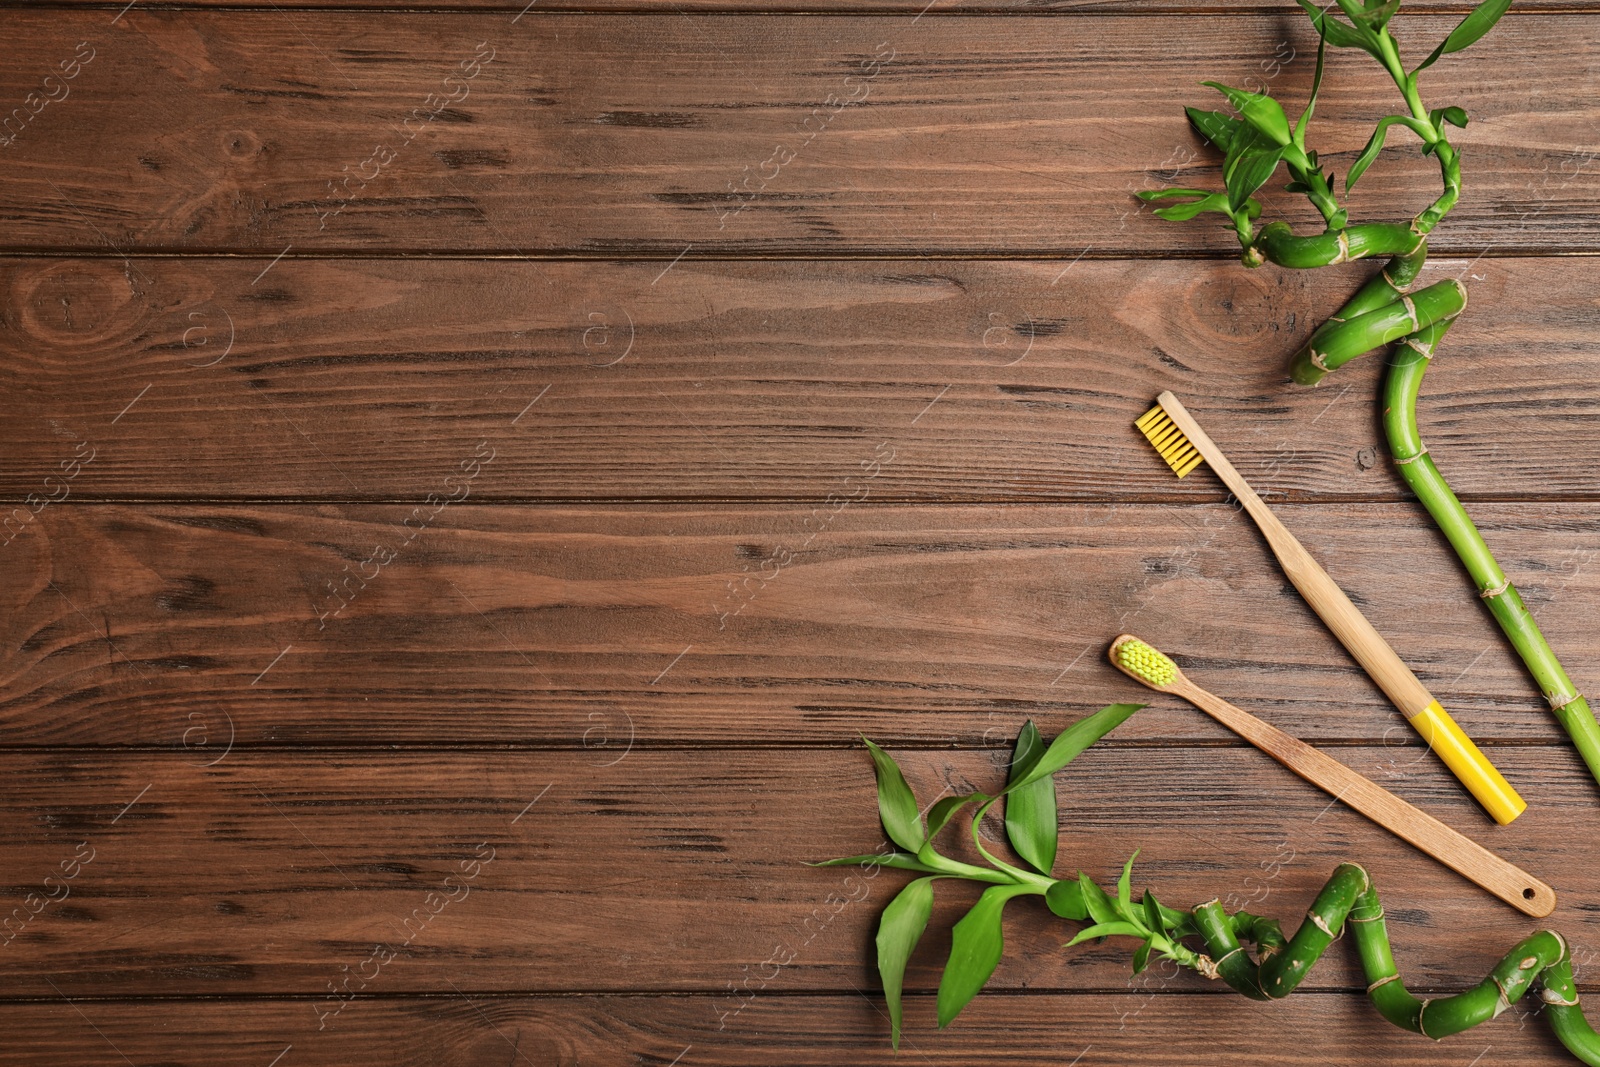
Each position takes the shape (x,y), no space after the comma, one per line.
(1032,830)
(1256,137)
(1159,928)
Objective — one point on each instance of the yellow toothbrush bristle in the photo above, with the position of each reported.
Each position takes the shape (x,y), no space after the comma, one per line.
(1146,662)
(1169,441)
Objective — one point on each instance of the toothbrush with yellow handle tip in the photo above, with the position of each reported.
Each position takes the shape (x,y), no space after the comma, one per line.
(1148,665)
(1184,445)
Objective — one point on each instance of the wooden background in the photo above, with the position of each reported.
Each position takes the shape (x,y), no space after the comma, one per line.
(565,462)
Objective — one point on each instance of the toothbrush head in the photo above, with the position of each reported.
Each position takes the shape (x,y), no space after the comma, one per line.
(1144,662)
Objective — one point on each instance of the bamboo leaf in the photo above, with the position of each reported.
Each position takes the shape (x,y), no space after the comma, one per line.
(1474,26)
(1248,165)
(1152,913)
(1311,104)
(1125,888)
(899,929)
(1141,958)
(1375,145)
(1065,898)
(904,861)
(1031,810)
(976,943)
(1195,202)
(1095,900)
(1214,126)
(1376,15)
(1353,9)
(1368,155)
(1455,116)
(1185,212)
(942,812)
(1259,110)
(1339,34)
(1110,929)
(896,803)
(1069,743)
(1148,195)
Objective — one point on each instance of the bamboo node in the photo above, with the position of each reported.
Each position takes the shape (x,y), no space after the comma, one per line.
(1317,360)
(1411,312)
(1382,982)
(1319,922)
(1229,955)
(1343,238)
(1366,918)
(1551,997)
(1490,594)
(1425,351)
(1561,700)
(1412,459)
(1204,965)
(1396,286)
(1422,1027)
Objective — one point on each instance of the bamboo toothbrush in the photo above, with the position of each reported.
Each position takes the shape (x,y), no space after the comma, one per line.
(1146,664)
(1184,445)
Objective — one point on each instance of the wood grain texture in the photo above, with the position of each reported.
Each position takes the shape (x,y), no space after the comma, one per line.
(167,626)
(666,134)
(270,872)
(472,474)
(759,380)
(1088,8)
(1134,1028)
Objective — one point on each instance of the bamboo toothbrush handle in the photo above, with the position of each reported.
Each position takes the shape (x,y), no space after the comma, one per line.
(1356,634)
(1320,591)
(1460,853)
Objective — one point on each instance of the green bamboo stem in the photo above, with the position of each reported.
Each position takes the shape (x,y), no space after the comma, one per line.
(1382,289)
(1278,242)
(1341,342)
(1278,965)
(1409,364)
(1349,900)
(1432,134)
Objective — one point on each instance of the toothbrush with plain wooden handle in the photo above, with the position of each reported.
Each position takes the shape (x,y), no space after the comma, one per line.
(1183,444)
(1149,666)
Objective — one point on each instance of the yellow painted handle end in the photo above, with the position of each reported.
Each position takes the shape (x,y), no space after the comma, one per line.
(1480,777)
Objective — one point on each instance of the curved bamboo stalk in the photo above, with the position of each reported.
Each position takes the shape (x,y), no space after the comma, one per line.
(1349,901)
(1381,289)
(1277,967)
(1386,311)
(1373,317)
(1280,245)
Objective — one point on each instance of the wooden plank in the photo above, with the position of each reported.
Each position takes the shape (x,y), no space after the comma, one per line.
(270,872)
(1137,1028)
(674,134)
(1090,8)
(757,380)
(191,625)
